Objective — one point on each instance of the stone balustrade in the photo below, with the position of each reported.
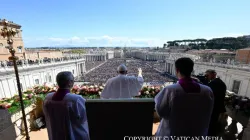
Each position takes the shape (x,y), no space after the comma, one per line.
(40,65)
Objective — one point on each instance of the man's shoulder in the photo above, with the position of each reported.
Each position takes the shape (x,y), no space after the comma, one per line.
(74,97)
(49,96)
(113,78)
(205,88)
(171,87)
(217,80)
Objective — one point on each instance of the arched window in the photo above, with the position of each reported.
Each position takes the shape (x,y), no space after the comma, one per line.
(19,48)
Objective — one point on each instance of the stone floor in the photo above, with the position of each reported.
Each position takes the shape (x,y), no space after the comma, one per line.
(42,134)
(235,130)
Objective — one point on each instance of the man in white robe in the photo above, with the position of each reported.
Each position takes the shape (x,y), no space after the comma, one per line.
(65,113)
(123,86)
(185,107)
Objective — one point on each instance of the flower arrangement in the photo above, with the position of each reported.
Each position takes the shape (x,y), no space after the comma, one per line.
(13,104)
(29,97)
(87,91)
(149,91)
(238,103)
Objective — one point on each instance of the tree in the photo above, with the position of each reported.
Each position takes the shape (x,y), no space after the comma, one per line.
(164,45)
(230,43)
(78,51)
(170,43)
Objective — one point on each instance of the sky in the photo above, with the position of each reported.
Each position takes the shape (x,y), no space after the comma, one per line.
(125,23)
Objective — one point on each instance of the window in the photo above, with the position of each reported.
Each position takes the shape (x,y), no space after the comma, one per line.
(73,71)
(37,81)
(1,44)
(236,86)
(19,48)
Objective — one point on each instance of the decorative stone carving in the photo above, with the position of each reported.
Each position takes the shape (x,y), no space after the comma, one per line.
(41,61)
(228,61)
(211,60)
(5,63)
(232,62)
(26,61)
(22,62)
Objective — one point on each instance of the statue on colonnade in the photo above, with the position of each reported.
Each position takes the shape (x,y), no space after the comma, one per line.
(228,61)
(211,60)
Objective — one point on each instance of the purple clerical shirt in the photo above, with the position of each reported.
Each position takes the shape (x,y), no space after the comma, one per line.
(60,93)
(189,85)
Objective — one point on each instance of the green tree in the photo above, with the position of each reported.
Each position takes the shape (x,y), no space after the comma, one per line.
(78,51)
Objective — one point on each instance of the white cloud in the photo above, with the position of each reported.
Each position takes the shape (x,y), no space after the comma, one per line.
(93,41)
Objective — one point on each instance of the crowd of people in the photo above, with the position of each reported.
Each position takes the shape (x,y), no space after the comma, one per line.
(160,66)
(109,69)
(92,64)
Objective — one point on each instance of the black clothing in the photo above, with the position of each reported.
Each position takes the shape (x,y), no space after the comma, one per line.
(219,90)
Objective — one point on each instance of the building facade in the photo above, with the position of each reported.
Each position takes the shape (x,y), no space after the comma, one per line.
(237,80)
(243,55)
(17,45)
(31,75)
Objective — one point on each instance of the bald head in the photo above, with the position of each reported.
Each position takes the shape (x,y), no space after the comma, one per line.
(65,79)
(210,74)
(122,69)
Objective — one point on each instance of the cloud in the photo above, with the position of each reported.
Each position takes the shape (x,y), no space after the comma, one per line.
(104,40)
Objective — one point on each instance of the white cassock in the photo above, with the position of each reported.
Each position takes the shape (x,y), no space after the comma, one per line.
(66,119)
(122,86)
(183,114)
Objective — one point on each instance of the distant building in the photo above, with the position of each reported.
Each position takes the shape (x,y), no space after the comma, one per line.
(118,53)
(17,45)
(243,55)
(20,49)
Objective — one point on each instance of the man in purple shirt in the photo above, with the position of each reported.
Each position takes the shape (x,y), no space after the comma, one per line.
(185,107)
(65,113)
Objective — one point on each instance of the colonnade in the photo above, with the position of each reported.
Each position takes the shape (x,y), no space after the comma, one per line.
(80,68)
(152,57)
(170,67)
(91,57)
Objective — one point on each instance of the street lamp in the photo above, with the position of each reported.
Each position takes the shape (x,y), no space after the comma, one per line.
(9,33)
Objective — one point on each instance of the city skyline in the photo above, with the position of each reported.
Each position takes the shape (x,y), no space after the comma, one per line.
(125,23)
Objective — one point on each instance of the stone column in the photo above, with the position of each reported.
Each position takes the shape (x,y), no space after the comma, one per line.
(77,69)
(81,68)
(166,67)
(172,69)
(84,67)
